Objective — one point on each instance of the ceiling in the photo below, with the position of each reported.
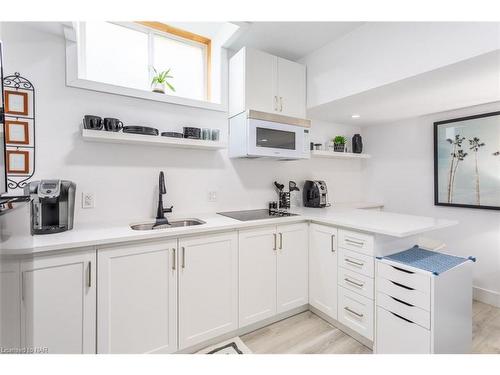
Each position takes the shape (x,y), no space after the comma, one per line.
(466,83)
(290,40)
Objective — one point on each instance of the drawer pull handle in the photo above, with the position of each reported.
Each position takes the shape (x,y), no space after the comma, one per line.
(275,246)
(400,317)
(403,302)
(357,243)
(359,264)
(359,285)
(402,270)
(353,312)
(332,244)
(174,259)
(401,285)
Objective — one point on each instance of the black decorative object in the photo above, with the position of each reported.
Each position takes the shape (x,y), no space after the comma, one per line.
(357,144)
(18,84)
(466,162)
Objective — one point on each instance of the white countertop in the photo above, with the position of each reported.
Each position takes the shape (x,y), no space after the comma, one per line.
(378,222)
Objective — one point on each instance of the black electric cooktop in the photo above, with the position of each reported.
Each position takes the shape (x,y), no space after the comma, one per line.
(255,214)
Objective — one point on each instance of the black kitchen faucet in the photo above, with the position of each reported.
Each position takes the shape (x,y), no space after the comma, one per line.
(161,219)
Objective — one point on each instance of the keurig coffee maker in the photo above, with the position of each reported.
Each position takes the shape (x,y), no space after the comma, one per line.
(52,205)
(315,194)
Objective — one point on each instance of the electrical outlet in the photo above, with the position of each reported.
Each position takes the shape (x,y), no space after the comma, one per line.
(212,196)
(87,200)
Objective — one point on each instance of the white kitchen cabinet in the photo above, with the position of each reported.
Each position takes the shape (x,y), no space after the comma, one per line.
(267,83)
(323,269)
(292,266)
(273,271)
(58,302)
(257,274)
(137,298)
(10,314)
(291,88)
(419,311)
(208,287)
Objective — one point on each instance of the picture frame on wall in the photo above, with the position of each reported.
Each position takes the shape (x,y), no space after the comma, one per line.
(467,162)
(16,103)
(18,162)
(17,132)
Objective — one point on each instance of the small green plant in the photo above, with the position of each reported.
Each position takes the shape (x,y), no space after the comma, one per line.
(161,78)
(340,140)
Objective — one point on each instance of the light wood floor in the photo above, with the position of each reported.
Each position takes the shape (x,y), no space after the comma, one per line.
(307,333)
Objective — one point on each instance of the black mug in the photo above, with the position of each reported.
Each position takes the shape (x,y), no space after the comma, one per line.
(92,122)
(112,124)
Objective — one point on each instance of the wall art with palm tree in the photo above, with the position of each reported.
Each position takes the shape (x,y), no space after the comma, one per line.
(467,161)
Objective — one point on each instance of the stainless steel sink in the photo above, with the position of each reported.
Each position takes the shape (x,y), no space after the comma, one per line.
(172,224)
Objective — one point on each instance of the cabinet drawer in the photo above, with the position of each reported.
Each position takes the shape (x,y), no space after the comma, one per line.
(355,312)
(360,263)
(356,241)
(412,296)
(397,306)
(397,336)
(356,282)
(404,277)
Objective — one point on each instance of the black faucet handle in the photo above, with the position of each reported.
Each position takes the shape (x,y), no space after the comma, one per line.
(169,209)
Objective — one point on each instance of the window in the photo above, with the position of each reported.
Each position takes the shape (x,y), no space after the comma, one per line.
(126,54)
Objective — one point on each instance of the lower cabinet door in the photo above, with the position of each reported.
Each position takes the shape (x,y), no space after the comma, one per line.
(58,303)
(292,266)
(257,274)
(137,298)
(208,287)
(397,335)
(323,269)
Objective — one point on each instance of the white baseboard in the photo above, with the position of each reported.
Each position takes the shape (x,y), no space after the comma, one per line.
(486,296)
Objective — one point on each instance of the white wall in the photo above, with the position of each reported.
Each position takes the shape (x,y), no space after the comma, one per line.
(401,175)
(124,177)
(377,54)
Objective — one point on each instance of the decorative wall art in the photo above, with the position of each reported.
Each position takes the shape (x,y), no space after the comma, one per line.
(19,132)
(467,162)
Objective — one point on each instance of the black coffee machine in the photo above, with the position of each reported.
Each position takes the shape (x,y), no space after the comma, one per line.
(315,194)
(52,205)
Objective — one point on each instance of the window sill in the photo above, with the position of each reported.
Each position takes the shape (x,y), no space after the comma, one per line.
(141,94)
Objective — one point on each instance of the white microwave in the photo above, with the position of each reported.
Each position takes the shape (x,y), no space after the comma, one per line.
(254,134)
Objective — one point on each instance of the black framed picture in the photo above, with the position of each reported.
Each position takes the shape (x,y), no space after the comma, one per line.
(467,162)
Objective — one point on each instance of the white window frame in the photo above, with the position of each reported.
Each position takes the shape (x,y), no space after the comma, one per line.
(75,61)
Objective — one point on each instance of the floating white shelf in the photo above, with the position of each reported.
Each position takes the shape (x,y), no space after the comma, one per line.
(139,139)
(338,155)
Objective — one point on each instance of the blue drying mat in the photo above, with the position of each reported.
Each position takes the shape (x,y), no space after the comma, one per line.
(427,260)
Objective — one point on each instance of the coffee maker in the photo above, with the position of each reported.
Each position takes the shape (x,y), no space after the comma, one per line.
(52,205)
(315,194)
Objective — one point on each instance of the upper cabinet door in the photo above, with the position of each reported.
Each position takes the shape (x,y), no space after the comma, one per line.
(208,287)
(291,88)
(292,272)
(267,83)
(137,299)
(58,303)
(261,81)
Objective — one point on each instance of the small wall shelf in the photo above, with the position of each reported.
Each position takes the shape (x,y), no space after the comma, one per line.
(338,155)
(139,139)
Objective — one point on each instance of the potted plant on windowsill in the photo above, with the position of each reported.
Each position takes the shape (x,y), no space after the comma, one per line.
(339,143)
(159,82)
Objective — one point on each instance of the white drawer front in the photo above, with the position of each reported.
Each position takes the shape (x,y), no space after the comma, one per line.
(412,313)
(397,336)
(412,296)
(356,312)
(403,276)
(356,262)
(356,282)
(356,241)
